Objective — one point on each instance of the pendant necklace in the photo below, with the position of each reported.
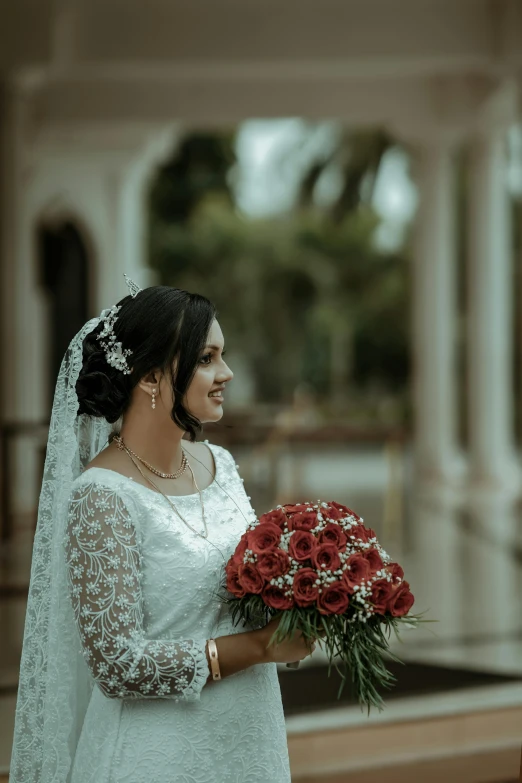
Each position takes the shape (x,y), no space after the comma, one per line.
(123,447)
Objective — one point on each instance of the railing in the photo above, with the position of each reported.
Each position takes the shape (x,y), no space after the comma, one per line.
(239,429)
(9,432)
(271,444)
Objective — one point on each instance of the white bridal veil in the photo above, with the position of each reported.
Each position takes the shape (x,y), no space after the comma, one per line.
(55,684)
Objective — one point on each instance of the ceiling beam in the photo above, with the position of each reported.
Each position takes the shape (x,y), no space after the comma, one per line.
(202,102)
(376,37)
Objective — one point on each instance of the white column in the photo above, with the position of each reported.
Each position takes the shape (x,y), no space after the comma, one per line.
(434,563)
(490,336)
(434,307)
(20,326)
(490,572)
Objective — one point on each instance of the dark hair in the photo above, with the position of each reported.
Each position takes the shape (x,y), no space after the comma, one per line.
(159,325)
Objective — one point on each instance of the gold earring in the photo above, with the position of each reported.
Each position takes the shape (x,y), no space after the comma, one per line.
(153,398)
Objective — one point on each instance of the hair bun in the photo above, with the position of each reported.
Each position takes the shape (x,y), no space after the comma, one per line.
(102,390)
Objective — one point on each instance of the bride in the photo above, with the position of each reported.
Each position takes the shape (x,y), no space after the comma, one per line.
(131,667)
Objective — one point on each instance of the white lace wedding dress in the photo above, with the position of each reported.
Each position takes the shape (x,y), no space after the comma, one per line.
(143,591)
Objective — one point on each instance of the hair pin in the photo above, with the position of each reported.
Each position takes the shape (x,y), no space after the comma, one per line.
(134,288)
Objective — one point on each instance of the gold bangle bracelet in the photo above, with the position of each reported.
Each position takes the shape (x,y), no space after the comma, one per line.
(214,661)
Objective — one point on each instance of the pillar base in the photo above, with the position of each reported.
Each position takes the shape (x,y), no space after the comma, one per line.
(505,480)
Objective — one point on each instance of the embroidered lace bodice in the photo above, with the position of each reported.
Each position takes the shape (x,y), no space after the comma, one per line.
(145,594)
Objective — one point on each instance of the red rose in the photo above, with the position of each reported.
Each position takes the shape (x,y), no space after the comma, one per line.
(334,599)
(264,538)
(358,532)
(357,571)
(332,513)
(374,559)
(250,578)
(304,520)
(299,508)
(333,533)
(302,545)
(237,557)
(370,532)
(275,517)
(275,563)
(233,585)
(275,598)
(343,510)
(401,600)
(305,588)
(381,594)
(326,556)
(395,571)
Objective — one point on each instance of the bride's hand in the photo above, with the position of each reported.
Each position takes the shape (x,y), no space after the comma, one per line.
(294,648)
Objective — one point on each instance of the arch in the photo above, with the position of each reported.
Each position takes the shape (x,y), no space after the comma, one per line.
(64,273)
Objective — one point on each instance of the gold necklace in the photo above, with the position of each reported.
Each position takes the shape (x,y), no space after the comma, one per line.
(184,461)
(202,535)
(217,484)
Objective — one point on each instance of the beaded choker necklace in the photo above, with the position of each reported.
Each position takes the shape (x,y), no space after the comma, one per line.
(184,461)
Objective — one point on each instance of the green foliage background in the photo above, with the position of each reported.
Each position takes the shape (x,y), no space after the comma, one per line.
(304,296)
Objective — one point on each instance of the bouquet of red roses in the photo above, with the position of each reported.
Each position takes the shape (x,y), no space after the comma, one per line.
(318,565)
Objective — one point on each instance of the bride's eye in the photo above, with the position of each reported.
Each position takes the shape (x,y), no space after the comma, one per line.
(209,356)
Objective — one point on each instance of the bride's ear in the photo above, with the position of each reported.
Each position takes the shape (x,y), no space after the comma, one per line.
(150,381)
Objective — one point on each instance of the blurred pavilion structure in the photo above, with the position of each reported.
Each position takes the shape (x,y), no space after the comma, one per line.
(94,95)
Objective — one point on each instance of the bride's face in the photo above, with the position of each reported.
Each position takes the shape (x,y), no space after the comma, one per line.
(212,372)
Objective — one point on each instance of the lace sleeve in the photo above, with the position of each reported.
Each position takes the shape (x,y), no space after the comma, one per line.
(104,574)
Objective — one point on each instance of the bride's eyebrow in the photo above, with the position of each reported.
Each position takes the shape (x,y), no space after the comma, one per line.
(215,347)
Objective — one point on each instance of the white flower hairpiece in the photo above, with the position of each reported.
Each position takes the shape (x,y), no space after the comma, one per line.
(115,355)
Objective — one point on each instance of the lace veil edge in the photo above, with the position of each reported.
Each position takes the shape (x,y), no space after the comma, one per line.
(54,682)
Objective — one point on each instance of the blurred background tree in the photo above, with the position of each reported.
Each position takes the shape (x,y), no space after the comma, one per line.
(303,295)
